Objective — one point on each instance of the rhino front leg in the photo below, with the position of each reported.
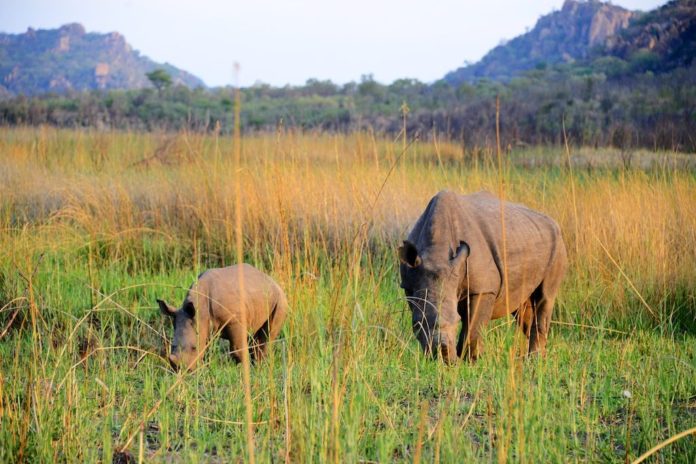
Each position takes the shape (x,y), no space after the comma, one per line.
(478,315)
(463,311)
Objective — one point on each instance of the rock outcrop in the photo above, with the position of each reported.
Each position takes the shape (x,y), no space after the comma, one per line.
(71,59)
(606,24)
(667,33)
(566,35)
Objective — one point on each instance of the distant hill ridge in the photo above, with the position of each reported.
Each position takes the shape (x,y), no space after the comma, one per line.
(585,30)
(566,35)
(69,58)
(667,33)
(584,33)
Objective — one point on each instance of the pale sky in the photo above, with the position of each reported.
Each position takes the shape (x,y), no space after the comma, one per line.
(288,42)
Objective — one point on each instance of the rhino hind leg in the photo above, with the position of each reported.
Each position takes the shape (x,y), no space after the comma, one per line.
(257,348)
(524,316)
(543,299)
(268,332)
(542,308)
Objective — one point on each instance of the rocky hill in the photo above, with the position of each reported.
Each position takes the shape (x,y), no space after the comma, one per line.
(566,35)
(70,59)
(665,36)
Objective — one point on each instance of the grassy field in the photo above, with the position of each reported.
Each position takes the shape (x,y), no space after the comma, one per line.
(95,226)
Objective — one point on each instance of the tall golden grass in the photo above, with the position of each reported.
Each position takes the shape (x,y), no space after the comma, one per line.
(633,231)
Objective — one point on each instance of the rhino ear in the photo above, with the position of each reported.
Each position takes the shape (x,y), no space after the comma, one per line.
(408,254)
(189,309)
(165,308)
(460,254)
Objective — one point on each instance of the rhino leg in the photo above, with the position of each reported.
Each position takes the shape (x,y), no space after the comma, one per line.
(463,311)
(524,317)
(472,329)
(543,299)
(237,335)
(541,320)
(268,332)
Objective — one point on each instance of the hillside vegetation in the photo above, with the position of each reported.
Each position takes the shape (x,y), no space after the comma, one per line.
(598,106)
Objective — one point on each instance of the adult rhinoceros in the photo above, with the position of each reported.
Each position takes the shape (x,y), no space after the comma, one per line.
(452,270)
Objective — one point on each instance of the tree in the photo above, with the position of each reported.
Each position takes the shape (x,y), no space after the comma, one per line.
(160,79)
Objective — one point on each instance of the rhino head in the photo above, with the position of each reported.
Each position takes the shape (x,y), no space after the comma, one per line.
(188,341)
(432,281)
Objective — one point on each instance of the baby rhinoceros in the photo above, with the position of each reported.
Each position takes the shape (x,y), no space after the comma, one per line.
(215,303)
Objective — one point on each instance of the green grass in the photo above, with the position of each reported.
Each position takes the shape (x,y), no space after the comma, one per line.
(81,339)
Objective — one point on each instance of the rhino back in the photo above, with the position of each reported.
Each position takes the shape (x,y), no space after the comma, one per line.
(224,293)
(531,238)
(532,242)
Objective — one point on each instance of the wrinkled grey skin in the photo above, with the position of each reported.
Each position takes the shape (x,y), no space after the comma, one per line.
(452,272)
(213,303)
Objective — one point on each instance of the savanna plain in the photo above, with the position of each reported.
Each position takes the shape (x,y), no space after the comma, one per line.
(94,226)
